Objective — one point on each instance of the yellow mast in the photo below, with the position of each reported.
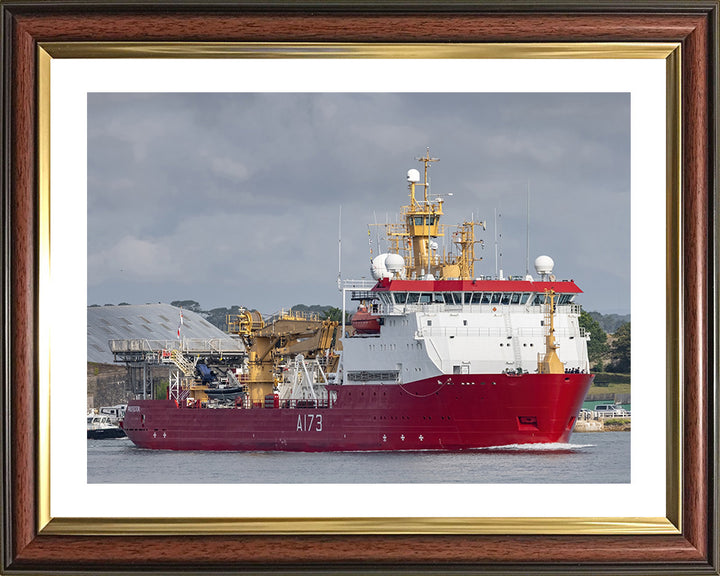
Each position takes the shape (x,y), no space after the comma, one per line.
(550,363)
(413,237)
(422,222)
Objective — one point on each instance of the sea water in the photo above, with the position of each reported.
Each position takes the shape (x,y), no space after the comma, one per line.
(597,458)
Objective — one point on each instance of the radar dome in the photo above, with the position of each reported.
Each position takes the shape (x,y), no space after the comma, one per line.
(395,263)
(544,265)
(413,175)
(378,269)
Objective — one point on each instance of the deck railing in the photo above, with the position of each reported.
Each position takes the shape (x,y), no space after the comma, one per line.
(185,345)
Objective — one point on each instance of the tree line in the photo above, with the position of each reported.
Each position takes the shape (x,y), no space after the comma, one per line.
(608,352)
(218,316)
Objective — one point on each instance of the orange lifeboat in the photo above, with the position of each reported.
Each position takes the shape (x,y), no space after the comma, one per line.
(364,322)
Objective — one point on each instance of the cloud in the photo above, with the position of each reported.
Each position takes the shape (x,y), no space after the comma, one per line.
(243,190)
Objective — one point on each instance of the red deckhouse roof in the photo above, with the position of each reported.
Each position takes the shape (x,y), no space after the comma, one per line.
(560,286)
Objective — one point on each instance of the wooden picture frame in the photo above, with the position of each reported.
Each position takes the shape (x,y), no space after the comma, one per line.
(31,544)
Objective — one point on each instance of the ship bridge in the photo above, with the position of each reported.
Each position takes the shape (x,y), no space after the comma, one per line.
(472,292)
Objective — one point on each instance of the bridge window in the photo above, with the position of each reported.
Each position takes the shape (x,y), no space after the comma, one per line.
(515,299)
(505,298)
(453,297)
(486,298)
(425,298)
(496,297)
(413,297)
(524,298)
(438,298)
(401,297)
(565,298)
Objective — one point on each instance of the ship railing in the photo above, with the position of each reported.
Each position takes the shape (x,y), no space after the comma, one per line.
(453,331)
(186,345)
(205,345)
(402,309)
(363,295)
(292,403)
(290,314)
(362,284)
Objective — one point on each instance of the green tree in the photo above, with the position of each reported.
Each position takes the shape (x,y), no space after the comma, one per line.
(161,390)
(332,313)
(598,346)
(187,305)
(620,349)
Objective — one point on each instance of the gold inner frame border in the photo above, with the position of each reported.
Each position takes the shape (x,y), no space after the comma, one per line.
(671,524)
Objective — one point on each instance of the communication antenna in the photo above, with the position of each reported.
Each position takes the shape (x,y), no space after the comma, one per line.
(527,231)
(370,244)
(340,248)
(495,239)
(377,233)
(498,244)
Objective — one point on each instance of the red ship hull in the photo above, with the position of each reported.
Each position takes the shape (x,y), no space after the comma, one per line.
(449,412)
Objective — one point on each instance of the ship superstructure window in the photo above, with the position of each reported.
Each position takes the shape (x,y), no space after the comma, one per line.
(386,297)
(460,298)
(565,298)
(453,297)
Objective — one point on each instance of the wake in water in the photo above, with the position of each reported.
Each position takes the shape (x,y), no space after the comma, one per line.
(554,448)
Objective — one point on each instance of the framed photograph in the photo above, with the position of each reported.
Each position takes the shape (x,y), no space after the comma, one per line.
(70,69)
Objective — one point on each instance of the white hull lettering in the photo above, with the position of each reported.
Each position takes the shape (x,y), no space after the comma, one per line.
(309,423)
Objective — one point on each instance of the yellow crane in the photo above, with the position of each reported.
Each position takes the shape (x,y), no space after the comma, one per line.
(282,337)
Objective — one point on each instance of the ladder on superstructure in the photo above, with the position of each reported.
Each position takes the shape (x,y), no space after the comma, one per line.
(513,339)
(186,366)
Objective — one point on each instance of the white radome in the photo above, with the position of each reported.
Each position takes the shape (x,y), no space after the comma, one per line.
(377,268)
(544,265)
(395,263)
(413,175)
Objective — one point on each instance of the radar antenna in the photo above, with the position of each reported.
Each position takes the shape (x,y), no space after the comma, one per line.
(426,160)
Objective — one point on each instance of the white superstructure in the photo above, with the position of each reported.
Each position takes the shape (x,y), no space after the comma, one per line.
(431,332)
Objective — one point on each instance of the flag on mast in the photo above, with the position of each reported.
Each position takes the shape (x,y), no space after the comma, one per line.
(181,322)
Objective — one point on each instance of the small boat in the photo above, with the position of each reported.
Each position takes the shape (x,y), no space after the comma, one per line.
(100,426)
(224,393)
(364,322)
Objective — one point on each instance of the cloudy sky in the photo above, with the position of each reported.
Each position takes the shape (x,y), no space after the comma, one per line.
(234,198)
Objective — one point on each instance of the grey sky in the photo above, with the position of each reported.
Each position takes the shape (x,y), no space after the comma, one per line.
(234,198)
